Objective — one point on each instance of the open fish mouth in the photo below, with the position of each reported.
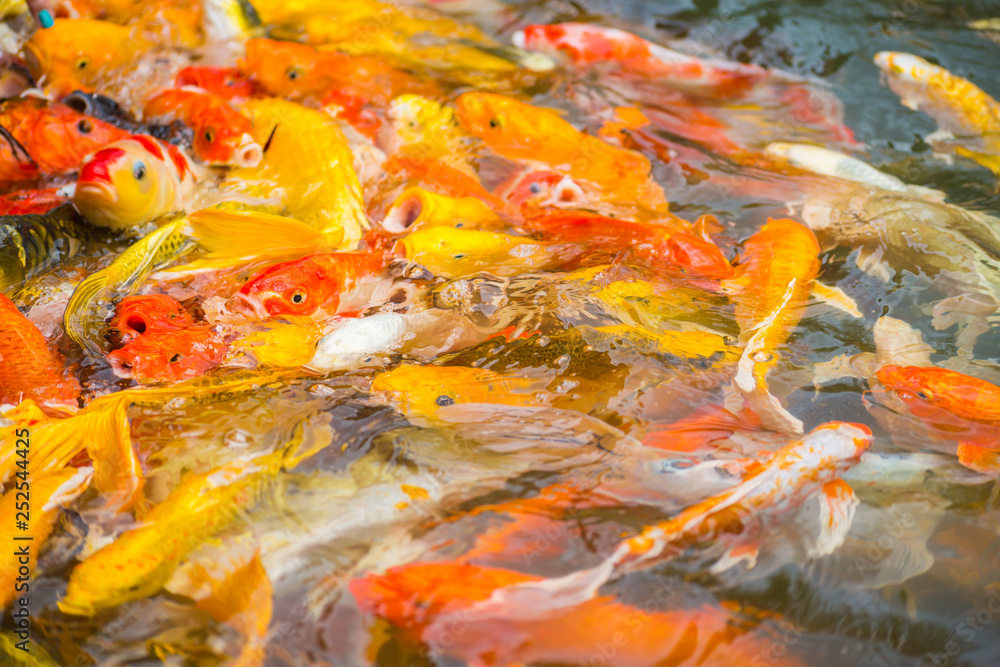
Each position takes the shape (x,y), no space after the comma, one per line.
(96,191)
(249,153)
(249,306)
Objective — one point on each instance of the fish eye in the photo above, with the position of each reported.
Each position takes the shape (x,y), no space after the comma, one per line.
(139,171)
(459,256)
(85,126)
(443,400)
(177,357)
(298,297)
(535,188)
(82,63)
(209,135)
(494,122)
(293,73)
(923,396)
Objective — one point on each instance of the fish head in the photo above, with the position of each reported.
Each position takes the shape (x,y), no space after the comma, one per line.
(297,287)
(169,355)
(426,389)
(905,67)
(138,315)
(501,121)
(62,133)
(842,440)
(697,255)
(226,82)
(74,53)
(288,69)
(224,138)
(543,188)
(119,184)
(451,251)
(943,398)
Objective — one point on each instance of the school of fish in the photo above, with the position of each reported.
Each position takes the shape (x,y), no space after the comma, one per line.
(415,333)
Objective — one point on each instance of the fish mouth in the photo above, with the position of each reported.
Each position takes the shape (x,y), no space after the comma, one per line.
(249,153)
(249,306)
(99,191)
(405,212)
(121,366)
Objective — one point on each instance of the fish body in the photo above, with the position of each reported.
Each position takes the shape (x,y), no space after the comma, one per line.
(832,163)
(229,20)
(308,168)
(55,137)
(33,202)
(140,561)
(48,493)
(961,108)
(34,240)
(28,368)
(138,315)
(584,44)
(520,131)
(132,181)
(221,133)
(450,252)
(670,245)
(417,208)
(169,355)
(75,54)
(425,389)
(306,286)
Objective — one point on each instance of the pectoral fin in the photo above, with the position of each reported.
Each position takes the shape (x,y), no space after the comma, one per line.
(836,297)
(837,504)
(984,460)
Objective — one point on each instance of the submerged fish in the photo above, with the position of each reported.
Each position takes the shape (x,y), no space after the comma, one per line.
(170,355)
(221,133)
(133,181)
(968,118)
(586,44)
(783,481)
(140,561)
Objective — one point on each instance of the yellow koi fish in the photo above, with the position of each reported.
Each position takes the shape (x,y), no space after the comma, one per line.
(451,252)
(417,209)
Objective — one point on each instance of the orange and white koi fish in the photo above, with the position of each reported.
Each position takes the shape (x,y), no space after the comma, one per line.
(794,473)
(585,44)
(962,110)
(133,181)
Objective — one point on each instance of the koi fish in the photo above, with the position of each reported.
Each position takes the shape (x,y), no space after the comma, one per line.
(671,245)
(962,110)
(169,355)
(76,54)
(91,304)
(427,600)
(425,389)
(535,189)
(450,252)
(307,169)
(138,315)
(32,241)
(225,82)
(786,479)
(281,344)
(310,286)
(55,137)
(519,131)
(441,176)
(48,493)
(133,181)
(776,274)
(832,163)
(28,368)
(33,202)
(142,560)
(221,133)
(417,208)
(584,44)
(954,407)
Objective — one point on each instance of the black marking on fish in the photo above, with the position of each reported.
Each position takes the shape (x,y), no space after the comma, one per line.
(20,152)
(267,144)
(250,13)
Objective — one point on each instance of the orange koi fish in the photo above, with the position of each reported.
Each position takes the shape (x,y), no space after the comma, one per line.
(534,189)
(430,600)
(132,181)
(791,475)
(585,44)
(519,131)
(774,278)
(167,355)
(137,315)
(28,368)
(32,202)
(310,286)
(671,246)
(222,135)
(55,138)
(226,82)
(439,176)
(954,406)
(698,431)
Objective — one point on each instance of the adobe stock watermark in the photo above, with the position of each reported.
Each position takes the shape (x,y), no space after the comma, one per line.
(966,632)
